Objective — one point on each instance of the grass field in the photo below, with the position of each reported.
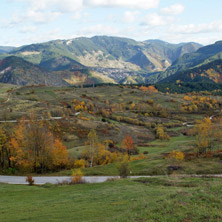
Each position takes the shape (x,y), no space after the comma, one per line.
(156,164)
(169,199)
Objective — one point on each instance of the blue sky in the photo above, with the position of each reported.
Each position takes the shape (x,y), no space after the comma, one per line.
(32,21)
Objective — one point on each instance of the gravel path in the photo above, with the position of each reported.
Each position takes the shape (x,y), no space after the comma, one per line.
(56,180)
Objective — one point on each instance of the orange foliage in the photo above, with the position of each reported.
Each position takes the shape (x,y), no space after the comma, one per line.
(149,88)
(34,148)
(127,143)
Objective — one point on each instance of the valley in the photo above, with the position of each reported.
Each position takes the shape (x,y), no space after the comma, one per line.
(114,112)
(142,118)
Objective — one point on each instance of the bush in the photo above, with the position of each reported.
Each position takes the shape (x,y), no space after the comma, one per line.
(77,176)
(30,180)
(177,155)
(80,163)
(9,171)
(123,169)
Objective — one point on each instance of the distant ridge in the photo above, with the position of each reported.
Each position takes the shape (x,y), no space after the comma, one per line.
(211,71)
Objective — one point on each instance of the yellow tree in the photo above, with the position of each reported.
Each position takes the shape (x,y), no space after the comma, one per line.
(204,133)
(34,147)
(161,134)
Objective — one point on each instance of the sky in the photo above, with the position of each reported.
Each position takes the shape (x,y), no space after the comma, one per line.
(25,22)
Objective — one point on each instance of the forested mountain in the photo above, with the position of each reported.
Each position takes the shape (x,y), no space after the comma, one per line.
(17,71)
(202,56)
(61,63)
(103,59)
(109,52)
(205,73)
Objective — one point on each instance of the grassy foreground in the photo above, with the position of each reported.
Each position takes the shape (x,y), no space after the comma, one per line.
(154,199)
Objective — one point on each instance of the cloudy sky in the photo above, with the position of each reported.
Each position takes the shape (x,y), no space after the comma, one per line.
(31,21)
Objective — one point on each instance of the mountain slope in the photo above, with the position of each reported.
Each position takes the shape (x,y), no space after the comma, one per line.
(205,73)
(201,57)
(61,63)
(17,71)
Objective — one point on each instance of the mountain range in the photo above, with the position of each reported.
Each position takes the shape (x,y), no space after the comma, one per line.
(103,59)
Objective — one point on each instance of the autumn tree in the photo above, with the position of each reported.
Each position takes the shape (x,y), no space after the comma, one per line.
(176,155)
(97,154)
(103,156)
(35,148)
(127,143)
(161,134)
(204,135)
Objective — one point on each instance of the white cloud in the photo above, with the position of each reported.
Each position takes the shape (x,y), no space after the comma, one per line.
(197,28)
(173,9)
(98,29)
(135,4)
(80,15)
(130,17)
(155,20)
(73,5)
(28,29)
(164,17)
(40,17)
(58,5)
(46,11)
(203,39)
(43,37)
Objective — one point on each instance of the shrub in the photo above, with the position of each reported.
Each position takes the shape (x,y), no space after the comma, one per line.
(80,163)
(123,169)
(161,134)
(77,176)
(30,180)
(177,155)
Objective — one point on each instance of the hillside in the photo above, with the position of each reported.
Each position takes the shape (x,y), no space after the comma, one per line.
(73,72)
(205,73)
(201,57)
(14,70)
(61,63)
